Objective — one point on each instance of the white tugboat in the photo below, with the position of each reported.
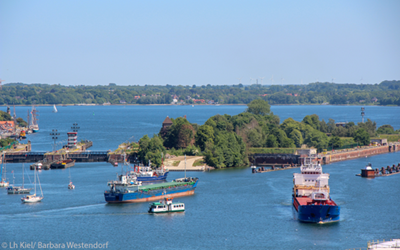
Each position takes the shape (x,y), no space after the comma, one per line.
(166,206)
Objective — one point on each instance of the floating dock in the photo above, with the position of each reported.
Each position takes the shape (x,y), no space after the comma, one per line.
(372,173)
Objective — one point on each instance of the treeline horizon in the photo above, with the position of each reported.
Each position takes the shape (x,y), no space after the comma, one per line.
(384,93)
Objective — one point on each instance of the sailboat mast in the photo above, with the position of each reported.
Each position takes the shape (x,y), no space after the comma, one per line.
(5,167)
(185,166)
(23,175)
(35,180)
(1,168)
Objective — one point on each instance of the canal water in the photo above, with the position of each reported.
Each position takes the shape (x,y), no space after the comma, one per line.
(231,209)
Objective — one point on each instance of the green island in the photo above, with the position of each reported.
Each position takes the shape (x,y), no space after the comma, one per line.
(226,141)
(384,93)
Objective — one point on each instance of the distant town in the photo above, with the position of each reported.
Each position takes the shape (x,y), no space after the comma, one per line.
(384,93)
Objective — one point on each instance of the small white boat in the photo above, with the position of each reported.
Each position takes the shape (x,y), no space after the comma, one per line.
(33,198)
(166,206)
(54,109)
(70,185)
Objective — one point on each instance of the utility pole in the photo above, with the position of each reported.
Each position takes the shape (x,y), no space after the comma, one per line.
(54,135)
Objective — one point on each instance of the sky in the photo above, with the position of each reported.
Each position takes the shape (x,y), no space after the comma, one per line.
(97,42)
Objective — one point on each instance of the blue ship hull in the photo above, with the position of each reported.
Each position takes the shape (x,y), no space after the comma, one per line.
(146,195)
(316,213)
(154,178)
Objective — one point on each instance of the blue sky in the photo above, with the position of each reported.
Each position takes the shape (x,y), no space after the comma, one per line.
(199,42)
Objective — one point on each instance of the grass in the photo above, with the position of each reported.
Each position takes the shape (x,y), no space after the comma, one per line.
(390,138)
(199,162)
(175,163)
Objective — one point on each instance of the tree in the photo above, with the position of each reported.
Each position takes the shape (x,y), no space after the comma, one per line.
(185,136)
(312,120)
(295,135)
(272,142)
(317,139)
(151,149)
(180,134)
(204,134)
(335,142)
(361,136)
(258,107)
(21,122)
(385,129)
(4,116)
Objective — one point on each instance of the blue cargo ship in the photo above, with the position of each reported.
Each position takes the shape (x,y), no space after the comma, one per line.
(127,190)
(147,174)
(311,200)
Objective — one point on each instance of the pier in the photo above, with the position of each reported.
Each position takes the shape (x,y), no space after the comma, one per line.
(274,162)
(353,153)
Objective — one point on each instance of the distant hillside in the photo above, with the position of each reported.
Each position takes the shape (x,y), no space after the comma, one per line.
(385,93)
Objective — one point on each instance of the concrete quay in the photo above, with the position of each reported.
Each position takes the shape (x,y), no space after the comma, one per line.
(353,153)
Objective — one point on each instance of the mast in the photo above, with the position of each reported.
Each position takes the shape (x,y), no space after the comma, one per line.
(28,119)
(5,167)
(40,186)
(15,120)
(35,180)
(185,166)
(22,175)
(1,172)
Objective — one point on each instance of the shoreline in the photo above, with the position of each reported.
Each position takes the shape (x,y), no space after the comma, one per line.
(134,104)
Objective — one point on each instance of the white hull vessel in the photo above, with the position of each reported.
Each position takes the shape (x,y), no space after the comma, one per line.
(33,198)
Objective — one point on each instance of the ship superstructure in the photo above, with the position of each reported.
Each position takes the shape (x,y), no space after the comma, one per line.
(311,198)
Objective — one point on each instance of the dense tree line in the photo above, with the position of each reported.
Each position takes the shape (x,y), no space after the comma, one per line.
(224,140)
(385,93)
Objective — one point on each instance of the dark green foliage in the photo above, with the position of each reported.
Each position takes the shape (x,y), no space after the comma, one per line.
(151,149)
(6,142)
(204,135)
(317,139)
(180,134)
(4,116)
(259,107)
(362,137)
(21,122)
(387,93)
(272,142)
(368,126)
(385,129)
(335,142)
(312,120)
(297,138)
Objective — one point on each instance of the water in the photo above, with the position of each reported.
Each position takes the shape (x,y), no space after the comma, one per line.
(232,209)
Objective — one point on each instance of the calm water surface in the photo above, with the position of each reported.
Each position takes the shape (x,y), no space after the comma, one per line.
(232,209)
